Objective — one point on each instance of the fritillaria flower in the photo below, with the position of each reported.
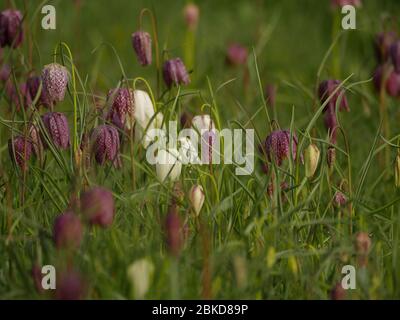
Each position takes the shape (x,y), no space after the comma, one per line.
(67,231)
(5,73)
(326,89)
(311,158)
(277,146)
(339,199)
(105,145)
(236,54)
(174,234)
(168,165)
(70,286)
(196,197)
(20,149)
(141,42)
(35,140)
(341,3)
(174,72)
(186,119)
(362,246)
(392,84)
(383,42)
(191,14)
(11,32)
(33,86)
(338,292)
(122,107)
(55,82)
(395,55)
(56,125)
(97,205)
(139,274)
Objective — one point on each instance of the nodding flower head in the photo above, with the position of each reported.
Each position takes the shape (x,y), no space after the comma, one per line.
(339,199)
(105,145)
(392,84)
(55,82)
(236,54)
(33,85)
(383,42)
(20,149)
(35,140)
(277,146)
(121,113)
(395,55)
(174,231)
(70,286)
(67,231)
(174,72)
(141,42)
(56,125)
(11,32)
(191,14)
(326,89)
(97,205)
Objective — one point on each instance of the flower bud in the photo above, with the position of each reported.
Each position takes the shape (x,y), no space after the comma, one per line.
(383,42)
(174,234)
(196,197)
(168,165)
(311,157)
(331,157)
(191,14)
(174,72)
(122,107)
(20,150)
(105,145)
(56,125)
(11,29)
(97,205)
(277,146)
(70,286)
(339,199)
(141,42)
(236,55)
(397,171)
(67,231)
(55,82)
(395,55)
(35,140)
(139,274)
(144,109)
(203,122)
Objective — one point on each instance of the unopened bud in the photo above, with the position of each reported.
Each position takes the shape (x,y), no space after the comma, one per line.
(311,156)
(196,197)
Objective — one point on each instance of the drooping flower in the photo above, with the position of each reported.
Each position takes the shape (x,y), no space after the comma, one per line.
(168,165)
(141,42)
(277,146)
(97,205)
(106,144)
(191,14)
(33,85)
(203,122)
(56,125)
(55,82)
(339,199)
(392,84)
(11,30)
(20,149)
(311,159)
(326,89)
(174,234)
(35,140)
(70,286)
(139,274)
(174,72)
(236,54)
(144,109)
(383,42)
(122,107)
(196,197)
(67,231)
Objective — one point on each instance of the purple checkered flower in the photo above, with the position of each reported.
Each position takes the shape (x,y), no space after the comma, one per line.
(277,146)
(383,42)
(174,72)
(122,107)
(105,145)
(11,32)
(97,205)
(56,125)
(326,88)
(55,82)
(67,231)
(20,150)
(141,42)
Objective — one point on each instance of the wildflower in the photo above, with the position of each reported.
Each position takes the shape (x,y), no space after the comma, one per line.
(173,227)
(326,89)
(203,122)
(35,140)
(174,72)
(395,55)
(67,230)
(11,32)
(168,165)
(362,246)
(20,150)
(55,82)
(277,146)
(56,125)
(106,144)
(5,73)
(392,84)
(144,109)
(122,107)
(311,157)
(191,14)
(97,205)
(383,42)
(33,85)
(186,119)
(341,3)
(70,286)
(196,197)
(139,274)
(331,157)
(141,42)
(338,292)
(236,54)
(339,199)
